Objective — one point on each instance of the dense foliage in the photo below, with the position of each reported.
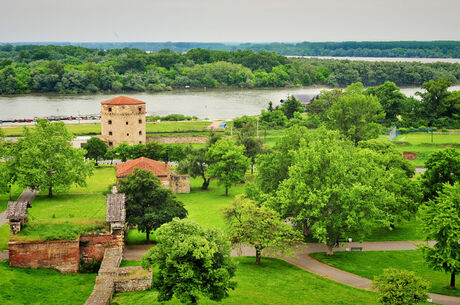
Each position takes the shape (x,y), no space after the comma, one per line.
(70,69)
(345,48)
(193,262)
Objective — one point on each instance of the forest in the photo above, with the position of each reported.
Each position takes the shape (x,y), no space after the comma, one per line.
(71,69)
(430,49)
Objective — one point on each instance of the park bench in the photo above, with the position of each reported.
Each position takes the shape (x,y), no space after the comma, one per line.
(356,248)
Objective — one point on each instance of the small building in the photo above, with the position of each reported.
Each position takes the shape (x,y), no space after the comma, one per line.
(304,99)
(115,212)
(123,121)
(169,179)
(16,213)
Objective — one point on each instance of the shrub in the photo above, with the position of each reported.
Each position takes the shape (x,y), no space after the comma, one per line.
(90,267)
(400,287)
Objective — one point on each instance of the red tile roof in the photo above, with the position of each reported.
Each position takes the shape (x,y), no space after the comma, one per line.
(160,169)
(122,100)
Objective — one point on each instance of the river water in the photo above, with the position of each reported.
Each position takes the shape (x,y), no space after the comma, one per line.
(388,59)
(211,104)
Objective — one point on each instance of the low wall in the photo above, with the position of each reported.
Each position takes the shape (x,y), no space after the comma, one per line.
(133,279)
(94,246)
(177,139)
(60,255)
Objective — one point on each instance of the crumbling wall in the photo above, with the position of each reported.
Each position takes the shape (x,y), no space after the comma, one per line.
(94,246)
(180,184)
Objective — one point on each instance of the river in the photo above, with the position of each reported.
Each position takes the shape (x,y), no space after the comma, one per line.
(211,104)
(387,59)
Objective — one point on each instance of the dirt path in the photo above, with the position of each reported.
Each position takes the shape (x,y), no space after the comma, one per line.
(215,125)
(27,195)
(305,262)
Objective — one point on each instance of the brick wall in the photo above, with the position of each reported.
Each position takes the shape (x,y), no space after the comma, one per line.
(93,247)
(61,255)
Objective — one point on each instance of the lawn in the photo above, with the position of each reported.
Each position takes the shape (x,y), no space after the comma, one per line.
(408,230)
(369,264)
(95,128)
(43,286)
(204,207)
(420,143)
(273,282)
(4,236)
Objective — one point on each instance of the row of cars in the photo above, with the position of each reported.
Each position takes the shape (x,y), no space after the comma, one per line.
(54,118)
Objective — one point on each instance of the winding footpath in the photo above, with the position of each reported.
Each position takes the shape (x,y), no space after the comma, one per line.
(305,262)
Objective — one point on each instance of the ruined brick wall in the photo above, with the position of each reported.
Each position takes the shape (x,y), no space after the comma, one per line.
(180,184)
(123,123)
(61,255)
(94,246)
(177,139)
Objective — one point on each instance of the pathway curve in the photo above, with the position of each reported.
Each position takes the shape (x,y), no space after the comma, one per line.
(305,262)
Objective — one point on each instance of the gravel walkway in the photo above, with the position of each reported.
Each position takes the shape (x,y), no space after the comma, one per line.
(305,262)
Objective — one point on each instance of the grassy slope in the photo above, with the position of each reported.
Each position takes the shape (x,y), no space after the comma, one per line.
(42,286)
(369,264)
(274,282)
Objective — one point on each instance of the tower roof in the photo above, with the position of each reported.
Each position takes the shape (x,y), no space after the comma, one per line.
(122,100)
(160,169)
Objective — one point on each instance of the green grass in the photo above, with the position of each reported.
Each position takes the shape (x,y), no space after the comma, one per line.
(4,236)
(125,263)
(204,207)
(103,177)
(370,264)
(420,143)
(95,128)
(42,286)
(408,230)
(273,282)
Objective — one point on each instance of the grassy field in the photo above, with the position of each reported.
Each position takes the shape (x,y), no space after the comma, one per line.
(273,282)
(408,230)
(68,214)
(95,128)
(370,264)
(43,286)
(204,207)
(420,143)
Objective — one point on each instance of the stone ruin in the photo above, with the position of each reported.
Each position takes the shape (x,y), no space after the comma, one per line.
(116,212)
(16,213)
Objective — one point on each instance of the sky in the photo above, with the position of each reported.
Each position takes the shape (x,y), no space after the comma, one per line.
(228,21)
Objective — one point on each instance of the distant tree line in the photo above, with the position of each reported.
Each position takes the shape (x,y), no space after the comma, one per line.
(430,49)
(70,69)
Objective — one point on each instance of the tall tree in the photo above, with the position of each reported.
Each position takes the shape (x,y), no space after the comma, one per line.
(228,162)
(192,262)
(290,106)
(260,227)
(47,160)
(435,98)
(196,165)
(95,148)
(441,167)
(148,205)
(356,116)
(333,190)
(441,222)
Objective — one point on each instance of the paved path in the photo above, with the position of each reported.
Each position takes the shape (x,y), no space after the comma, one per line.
(27,195)
(305,262)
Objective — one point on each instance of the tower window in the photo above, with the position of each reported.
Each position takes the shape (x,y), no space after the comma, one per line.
(110,122)
(110,133)
(140,142)
(140,121)
(127,134)
(110,144)
(140,109)
(126,123)
(140,132)
(110,108)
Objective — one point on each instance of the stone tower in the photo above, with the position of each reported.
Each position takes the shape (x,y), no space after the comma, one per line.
(123,121)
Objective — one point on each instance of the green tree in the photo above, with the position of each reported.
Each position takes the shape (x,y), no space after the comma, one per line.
(124,151)
(400,287)
(333,189)
(391,99)
(260,227)
(193,262)
(148,205)
(290,106)
(196,165)
(441,222)
(95,148)
(435,98)
(356,116)
(441,167)
(47,160)
(228,162)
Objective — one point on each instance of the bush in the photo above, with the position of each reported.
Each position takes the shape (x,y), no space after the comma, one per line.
(400,287)
(90,267)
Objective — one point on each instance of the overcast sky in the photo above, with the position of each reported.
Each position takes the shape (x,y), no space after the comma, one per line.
(229,20)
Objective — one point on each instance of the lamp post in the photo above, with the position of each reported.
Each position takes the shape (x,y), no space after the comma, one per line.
(9,186)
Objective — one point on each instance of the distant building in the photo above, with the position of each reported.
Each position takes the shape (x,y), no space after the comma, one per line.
(168,178)
(304,99)
(123,121)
